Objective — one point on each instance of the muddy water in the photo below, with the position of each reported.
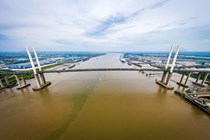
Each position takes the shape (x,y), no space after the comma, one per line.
(100,106)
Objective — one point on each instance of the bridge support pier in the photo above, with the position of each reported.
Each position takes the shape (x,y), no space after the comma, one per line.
(199,76)
(162,82)
(39,77)
(188,76)
(36,76)
(24,81)
(41,83)
(42,78)
(1,85)
(165,83)
(6,80)
(168,78)
(21,84)
(17,79)
(186,80)
(8,84)
(202,82)
(181,78)
(164,76)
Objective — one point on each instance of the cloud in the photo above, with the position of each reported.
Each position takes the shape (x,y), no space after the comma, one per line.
(120,18)
(62,42)
(158,4)
(103,25)
(107,24)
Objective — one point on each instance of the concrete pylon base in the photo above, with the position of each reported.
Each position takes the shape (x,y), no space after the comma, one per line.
(23,86)
(183,85)
(164,85)
(198,84)
(42,86)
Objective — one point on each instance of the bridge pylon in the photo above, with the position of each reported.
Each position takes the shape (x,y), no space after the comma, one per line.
(39,77)
(164,82)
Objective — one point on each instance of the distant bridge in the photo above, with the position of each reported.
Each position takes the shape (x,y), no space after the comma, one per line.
(97,69)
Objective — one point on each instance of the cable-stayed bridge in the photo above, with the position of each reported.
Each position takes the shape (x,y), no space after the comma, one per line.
(38,72)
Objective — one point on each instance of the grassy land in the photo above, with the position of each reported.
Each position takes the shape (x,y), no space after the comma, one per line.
(50,66)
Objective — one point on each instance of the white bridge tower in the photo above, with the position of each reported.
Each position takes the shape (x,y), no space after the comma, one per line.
(39,76)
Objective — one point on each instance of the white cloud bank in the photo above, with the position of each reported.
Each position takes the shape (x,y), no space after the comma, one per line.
(109,25)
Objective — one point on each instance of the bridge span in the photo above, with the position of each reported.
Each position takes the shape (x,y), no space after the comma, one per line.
(38,72)
(100,69)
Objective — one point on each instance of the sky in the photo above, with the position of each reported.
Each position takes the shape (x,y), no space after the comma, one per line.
(104,25)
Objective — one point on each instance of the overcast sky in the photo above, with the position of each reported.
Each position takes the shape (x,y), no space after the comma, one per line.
(104,25)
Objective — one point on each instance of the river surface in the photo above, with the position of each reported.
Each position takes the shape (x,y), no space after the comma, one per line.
(100,106)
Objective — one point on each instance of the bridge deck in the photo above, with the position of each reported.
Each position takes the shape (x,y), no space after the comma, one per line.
(96,69)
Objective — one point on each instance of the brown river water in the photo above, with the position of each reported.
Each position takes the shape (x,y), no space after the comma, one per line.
(100,106)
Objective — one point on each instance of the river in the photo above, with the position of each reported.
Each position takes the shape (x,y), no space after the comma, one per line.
(100,106)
